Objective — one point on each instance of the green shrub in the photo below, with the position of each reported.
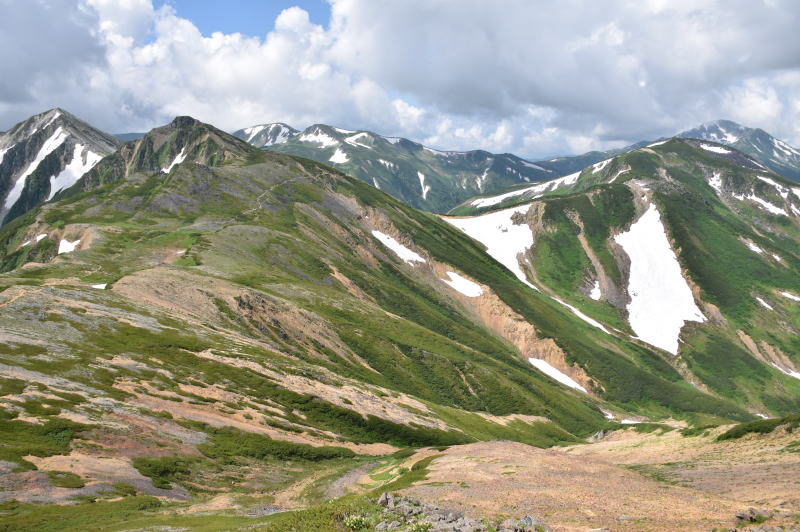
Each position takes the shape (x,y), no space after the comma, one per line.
(165,470)
(227,443)
(761,426)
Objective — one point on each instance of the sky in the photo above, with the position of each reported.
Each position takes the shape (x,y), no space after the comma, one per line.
(534,78)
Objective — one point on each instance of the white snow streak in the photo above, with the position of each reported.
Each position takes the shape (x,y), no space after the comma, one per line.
(463,285)
(753,247)
(583,316)
(659,143)
(399,249)
(764,303)
(65,246)
(101,286)
(339,157)
(661,301)
(782,190)
(555,374)
(178,160)
(56,139)
(353,140)
(788,372)
(790,296)
(425,189)
(503,239)
(764,204)
(251,132)
(79,165)
(539,188)
(596,167)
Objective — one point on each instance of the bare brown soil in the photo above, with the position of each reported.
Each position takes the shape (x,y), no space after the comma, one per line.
(568,492)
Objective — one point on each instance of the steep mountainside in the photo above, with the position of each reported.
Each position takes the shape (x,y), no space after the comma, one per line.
(419,176)
(162,149)
(774,153)
(690,246)
(45,154)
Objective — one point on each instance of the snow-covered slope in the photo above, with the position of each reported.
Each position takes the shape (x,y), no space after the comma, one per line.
(264,135)
(661,301)
(44,154)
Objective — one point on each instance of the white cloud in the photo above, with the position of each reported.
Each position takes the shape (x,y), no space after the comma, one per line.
(530,78)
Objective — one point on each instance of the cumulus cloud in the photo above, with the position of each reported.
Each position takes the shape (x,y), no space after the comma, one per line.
(534,78)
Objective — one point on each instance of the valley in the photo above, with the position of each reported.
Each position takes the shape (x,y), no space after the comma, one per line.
(200,333)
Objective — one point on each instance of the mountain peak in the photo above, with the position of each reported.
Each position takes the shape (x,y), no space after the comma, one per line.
(268,134)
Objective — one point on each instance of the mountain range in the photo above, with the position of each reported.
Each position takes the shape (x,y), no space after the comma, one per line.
(437,181)
(195,316)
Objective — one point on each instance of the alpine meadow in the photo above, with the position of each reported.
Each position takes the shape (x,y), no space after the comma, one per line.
(350,265)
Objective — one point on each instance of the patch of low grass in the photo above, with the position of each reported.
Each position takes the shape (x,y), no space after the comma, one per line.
(65,479)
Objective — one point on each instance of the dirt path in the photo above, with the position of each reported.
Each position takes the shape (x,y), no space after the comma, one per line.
(341,486)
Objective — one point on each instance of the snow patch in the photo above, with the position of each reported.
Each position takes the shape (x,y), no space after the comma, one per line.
(375,183)
(782,190)
(80,164)
(595,293)
(774,209)
(659,143)
(392,140)
(50,145)
(425,188)
(790,296)
(399,249)
(661,300)
(534,166)
(716,182)
(463,285)
(251,132)
(630,422)
(344,131)
(339,157)
(176,161)
(715,149)
(353,140)
(101,286)
(389,165)
(503,239)
(753,247)
(764,303)
(65,246)
(38,238)
(596,167)
(555,374)
(319,138)
(539,189)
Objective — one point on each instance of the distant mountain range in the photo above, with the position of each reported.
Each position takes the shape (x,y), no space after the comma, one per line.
(437,181)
